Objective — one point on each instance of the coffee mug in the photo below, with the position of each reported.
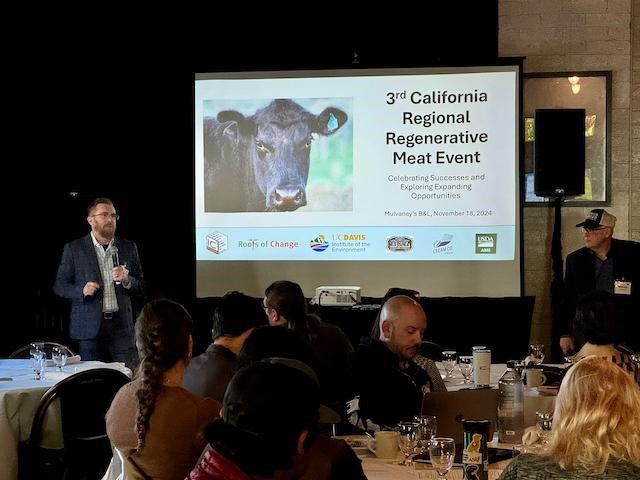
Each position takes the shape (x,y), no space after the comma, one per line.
(535,377)
(384,445)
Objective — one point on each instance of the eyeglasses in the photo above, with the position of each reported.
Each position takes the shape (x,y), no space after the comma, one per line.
(265,307)
(591,230)
(106,215)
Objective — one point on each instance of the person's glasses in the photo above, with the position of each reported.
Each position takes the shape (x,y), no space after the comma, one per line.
(105,215)
(265,307)
(591,230)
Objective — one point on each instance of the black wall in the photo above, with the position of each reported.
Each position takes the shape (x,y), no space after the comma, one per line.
(103,106)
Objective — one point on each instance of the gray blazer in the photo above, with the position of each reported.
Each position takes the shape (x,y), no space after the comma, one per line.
(79,265)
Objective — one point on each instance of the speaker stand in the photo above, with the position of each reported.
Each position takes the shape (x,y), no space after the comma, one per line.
(557,280)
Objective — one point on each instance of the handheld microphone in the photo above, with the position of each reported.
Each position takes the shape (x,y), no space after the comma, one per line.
(116,260)
(114,254)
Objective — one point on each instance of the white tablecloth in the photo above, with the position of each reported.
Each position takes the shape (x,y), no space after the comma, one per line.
(19,398)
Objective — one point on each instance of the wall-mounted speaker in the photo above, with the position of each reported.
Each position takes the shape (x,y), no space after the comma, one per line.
(558,150)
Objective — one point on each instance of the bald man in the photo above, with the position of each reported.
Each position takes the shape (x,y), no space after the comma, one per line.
(388,381)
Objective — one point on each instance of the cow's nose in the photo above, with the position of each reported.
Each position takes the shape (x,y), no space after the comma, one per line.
(288,198)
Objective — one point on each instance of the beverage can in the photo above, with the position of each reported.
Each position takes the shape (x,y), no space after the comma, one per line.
(475,459)
(481,367)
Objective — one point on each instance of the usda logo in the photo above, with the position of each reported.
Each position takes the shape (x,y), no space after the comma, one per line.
(486,242)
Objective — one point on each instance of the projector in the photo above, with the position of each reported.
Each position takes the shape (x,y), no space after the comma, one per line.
(337,296)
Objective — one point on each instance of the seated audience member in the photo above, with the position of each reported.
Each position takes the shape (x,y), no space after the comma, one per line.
(596,428)
(153,421)
(594,328)
(329,458)
(422,361)
(234,318)
(269,419)
(388,382)
(286,305)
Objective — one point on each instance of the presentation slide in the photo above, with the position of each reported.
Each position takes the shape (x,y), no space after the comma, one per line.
(404,170)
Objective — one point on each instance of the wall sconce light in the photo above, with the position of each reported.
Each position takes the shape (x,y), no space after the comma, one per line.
(575,84)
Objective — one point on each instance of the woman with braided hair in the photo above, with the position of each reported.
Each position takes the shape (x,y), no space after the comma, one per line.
(153,421)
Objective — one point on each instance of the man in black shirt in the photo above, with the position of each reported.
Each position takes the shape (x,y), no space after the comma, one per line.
(388,382)
(608,264)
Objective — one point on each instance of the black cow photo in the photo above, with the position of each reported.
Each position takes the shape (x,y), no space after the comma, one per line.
(278,155)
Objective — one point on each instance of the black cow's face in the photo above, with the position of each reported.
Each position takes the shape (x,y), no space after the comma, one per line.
(281,160)
(277,142)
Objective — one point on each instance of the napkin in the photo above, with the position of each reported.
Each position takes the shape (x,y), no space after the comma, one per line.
(531,436)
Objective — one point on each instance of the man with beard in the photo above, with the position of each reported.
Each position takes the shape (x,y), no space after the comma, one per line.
(388,382)
(98,274)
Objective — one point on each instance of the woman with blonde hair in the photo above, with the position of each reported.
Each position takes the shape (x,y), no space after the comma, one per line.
(154,422)
(596,428)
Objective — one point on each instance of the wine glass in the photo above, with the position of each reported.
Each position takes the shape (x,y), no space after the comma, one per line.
(408,440)
(543,425)
(536,353)
(39,363)
(59,356)
(427,426)
(35,352)
(465,363)
(449,359)
(442,452)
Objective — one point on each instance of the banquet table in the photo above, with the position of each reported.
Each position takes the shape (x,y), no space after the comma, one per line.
(382,469)
(20,394)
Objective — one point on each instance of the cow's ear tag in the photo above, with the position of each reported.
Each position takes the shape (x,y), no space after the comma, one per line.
(332,123)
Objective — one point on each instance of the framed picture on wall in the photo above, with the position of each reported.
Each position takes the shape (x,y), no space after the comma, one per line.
(571,90)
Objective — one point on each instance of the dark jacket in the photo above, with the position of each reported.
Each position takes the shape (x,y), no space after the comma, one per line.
(580,279)
(388,394)
(209,373)
(78,266)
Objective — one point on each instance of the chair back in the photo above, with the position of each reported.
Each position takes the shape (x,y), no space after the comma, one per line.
(84,400)
(23,352)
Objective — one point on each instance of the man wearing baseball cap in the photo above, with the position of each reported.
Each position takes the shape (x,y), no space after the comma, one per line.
(604,263)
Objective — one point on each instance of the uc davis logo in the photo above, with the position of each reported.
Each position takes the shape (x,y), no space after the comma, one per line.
(319,244)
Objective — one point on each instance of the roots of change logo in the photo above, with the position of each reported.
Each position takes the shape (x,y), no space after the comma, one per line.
(217,242)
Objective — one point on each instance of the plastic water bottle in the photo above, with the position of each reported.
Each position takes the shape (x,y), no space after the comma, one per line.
(510,406)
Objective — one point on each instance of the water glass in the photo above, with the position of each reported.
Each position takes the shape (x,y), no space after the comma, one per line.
(59,356)
(36,350)
(427,427)
(465,363)
(39,364)
(442,452)
(543,425)
(449,360)
(408,436)
(536,353)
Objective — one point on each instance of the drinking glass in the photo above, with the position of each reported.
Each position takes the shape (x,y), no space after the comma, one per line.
(427,426)
(36,350)
(442,452)
(39,363)
(408,433)
(536,353)
(59,356)
(543,425)
(465,363)
(449,359)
